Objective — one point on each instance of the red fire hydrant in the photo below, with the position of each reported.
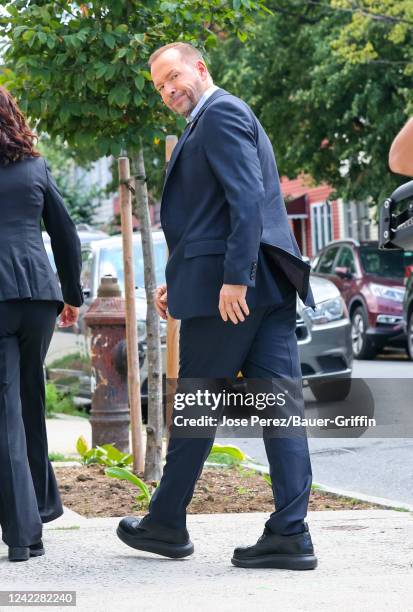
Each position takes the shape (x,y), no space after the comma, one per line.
(109,415)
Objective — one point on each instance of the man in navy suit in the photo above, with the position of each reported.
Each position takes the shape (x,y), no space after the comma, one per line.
(232,278)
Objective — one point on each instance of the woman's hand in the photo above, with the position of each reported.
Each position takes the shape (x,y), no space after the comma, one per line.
(161,302)
(68,316)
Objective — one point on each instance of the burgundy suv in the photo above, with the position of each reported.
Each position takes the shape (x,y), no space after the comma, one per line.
(371,282)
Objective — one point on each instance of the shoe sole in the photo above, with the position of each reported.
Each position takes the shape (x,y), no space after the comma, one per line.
(173,551)
(37,553)
(291,562)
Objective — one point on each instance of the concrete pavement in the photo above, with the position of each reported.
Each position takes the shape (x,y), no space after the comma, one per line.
(365,563)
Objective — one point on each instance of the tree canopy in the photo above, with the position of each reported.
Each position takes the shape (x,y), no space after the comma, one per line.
(80,69)
(331,83)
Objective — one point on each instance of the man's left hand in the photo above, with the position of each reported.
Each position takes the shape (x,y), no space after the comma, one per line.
(232,303)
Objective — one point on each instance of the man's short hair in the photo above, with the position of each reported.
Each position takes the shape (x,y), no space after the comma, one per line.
(186,50)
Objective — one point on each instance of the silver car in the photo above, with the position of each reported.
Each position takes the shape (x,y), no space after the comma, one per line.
(324,341)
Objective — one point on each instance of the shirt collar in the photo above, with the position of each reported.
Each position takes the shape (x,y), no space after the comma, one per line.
(207,93)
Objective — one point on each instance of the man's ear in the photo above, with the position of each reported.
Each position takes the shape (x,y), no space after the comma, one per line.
(202,69)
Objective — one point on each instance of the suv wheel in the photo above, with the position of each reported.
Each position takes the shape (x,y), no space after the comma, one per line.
(410,335)
(362,345)
(332,391)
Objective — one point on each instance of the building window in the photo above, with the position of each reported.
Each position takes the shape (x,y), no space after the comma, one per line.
(357,222)
(321,225)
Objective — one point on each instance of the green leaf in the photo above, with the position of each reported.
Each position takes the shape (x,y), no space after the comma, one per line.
(109,40)
(119,95)
(139,38)
(140,82)
(28,35)
(18,31)
(122,28)
(137,99)
(111,71)
(101,70)
(124,474)
(81,446)
(267,479)
(228,449)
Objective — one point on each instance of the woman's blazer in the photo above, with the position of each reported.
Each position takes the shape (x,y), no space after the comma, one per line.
(28,193)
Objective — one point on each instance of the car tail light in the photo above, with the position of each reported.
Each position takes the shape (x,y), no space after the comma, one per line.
(408,271)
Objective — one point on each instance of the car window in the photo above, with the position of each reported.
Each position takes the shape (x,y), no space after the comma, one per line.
(111,262)
(86,276)
(325,265)
(346,260)
(389,264)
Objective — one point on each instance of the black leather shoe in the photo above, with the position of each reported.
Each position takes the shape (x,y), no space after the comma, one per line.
(37,550)
(23,553)
(294,552)
(154,538)
(19,553)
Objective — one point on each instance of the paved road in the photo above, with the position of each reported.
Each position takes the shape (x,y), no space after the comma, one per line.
(376,466)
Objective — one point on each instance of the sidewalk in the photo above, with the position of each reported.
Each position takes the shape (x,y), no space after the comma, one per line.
(365,563)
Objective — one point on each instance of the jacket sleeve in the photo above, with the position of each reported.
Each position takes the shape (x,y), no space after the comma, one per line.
(64,241)
(229,143)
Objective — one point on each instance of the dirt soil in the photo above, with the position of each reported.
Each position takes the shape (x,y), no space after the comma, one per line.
(88,491)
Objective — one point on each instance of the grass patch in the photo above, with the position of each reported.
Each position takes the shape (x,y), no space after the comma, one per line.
(58,457)
(72,528)
(73,361)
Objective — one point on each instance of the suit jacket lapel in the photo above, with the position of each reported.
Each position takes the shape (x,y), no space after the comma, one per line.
(217,93)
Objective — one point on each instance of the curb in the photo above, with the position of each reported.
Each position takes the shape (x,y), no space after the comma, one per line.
(381,501)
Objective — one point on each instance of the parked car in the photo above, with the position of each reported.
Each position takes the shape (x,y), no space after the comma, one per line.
(408,310)
(86,233)
(371,282)
(324,342)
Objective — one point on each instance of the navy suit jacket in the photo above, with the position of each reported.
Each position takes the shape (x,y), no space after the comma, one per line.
(223,214)
(28,193)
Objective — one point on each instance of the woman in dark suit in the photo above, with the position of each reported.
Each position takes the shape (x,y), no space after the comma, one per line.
(30,301)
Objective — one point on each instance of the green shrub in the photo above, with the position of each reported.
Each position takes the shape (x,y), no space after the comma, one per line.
(144,496)
(57,402)
(107,454)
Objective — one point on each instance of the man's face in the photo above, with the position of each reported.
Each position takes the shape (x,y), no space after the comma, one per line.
(180,82)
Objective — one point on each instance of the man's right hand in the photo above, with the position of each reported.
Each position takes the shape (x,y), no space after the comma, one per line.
(161,302)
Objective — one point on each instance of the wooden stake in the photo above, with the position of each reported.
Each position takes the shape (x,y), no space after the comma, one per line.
(173,325)
(134,385)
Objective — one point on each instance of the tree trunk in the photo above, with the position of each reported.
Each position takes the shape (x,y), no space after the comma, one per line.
(154,429)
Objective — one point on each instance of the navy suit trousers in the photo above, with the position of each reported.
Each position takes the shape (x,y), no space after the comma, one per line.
(264,346)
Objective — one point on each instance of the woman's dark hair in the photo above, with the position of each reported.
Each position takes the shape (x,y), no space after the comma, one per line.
(16,139)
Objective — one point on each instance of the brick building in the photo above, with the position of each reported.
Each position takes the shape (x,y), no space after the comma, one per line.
(316,219)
